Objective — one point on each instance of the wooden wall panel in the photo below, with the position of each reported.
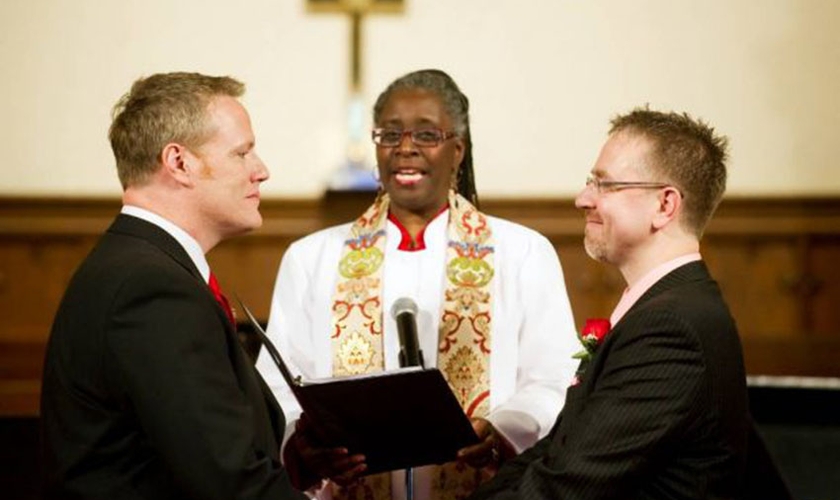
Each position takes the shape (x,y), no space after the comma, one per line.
(248,267)
(822,286)
(777,260)
(33,275)
(754,276)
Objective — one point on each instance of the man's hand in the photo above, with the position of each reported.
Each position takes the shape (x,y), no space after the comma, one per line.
(308,462)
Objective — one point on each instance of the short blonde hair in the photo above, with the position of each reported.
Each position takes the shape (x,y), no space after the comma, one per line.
(158,110)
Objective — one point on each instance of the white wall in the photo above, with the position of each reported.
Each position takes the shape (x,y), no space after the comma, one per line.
(543,76)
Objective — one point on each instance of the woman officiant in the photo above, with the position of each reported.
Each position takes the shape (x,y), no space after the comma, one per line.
(493,312)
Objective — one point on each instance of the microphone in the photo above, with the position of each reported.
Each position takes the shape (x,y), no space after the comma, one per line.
(404,312)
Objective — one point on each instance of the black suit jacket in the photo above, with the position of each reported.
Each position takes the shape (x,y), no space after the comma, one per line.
(660,411)
(147,393)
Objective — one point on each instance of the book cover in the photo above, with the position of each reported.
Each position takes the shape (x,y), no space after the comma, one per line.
(397,418)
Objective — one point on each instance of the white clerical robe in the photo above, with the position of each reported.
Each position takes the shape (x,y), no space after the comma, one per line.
(533,334)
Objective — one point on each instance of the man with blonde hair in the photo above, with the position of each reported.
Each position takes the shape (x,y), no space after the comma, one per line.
(146,392)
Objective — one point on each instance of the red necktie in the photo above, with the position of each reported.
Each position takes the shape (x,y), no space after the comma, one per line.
(220,298)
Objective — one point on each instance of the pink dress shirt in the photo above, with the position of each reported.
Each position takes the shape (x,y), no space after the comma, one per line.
(633,293)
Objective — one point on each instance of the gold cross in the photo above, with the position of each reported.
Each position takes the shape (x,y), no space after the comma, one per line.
(356,9)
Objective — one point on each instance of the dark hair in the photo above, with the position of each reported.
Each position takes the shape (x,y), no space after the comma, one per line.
(457,106)
(159,109)
(687,153)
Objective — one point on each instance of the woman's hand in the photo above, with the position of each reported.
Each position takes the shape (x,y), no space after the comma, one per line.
(491,450)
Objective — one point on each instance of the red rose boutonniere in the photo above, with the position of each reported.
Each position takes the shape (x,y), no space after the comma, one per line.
(593,334)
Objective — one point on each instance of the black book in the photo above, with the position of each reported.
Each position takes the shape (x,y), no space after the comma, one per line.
(397,419)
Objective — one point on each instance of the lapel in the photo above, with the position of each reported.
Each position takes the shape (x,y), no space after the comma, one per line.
(692,272)
(576,395)
(139,228)
(687,273)
(249,380)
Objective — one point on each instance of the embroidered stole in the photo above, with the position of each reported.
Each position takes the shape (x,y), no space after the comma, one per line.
(464,333)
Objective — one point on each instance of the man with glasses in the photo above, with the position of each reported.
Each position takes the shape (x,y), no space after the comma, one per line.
(659,408)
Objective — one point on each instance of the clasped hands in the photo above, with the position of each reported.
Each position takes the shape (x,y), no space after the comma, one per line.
(308,462)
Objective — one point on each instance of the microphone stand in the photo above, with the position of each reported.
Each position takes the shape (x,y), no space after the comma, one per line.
(409,483)
(404,311)
(409,471)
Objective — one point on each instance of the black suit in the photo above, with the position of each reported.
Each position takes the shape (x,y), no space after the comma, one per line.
(147,393)
(660,411)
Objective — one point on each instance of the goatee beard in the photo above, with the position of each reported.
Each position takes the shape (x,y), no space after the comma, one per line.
(594,249)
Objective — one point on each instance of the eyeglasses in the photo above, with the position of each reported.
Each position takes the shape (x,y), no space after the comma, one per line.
(422,137)
(602,186)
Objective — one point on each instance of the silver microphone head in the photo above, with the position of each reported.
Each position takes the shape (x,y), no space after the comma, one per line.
(403,305)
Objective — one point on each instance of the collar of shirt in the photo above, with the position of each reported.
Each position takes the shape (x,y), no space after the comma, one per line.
(406,244)
(632,294)
(191,246)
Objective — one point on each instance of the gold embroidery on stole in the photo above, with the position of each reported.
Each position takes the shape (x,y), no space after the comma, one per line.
(357,308)
(357,345)
(464,333)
